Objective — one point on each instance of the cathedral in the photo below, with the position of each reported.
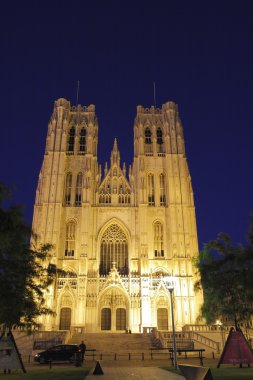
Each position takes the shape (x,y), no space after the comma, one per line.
(125,238)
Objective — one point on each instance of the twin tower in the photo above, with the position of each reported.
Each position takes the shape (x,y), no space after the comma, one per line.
(123,237)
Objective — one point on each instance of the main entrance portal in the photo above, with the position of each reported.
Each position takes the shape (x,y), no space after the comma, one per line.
(113,310)
(113,319)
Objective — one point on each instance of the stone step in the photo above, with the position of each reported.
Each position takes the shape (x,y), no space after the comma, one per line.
(110,342)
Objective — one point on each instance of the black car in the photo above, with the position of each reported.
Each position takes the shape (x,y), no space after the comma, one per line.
(63,352)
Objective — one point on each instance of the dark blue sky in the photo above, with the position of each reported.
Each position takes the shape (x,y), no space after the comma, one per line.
(200,54)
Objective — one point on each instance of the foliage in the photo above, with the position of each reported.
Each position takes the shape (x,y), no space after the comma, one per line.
(25,270)
(226,276)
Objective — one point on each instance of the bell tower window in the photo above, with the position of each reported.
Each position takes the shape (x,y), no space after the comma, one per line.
(79,187)
(151,190)
(82,141)
(68,188)
(148,141)
(162,190)
(70,239)
(71,140)
(158,240)
(159,140)
(148,136)
(159,136)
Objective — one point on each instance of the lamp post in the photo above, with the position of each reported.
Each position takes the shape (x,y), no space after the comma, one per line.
(219,323)
(173,328)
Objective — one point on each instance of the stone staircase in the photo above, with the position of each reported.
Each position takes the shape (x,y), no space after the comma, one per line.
(105,343)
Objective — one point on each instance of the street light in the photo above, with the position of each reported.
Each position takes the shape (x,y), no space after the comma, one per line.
(173,328)
(220,324)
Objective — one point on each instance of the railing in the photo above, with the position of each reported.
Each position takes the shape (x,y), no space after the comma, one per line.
(205,341)
(205,328)
(151,354)
(185,338)
(188,353)
(93,355)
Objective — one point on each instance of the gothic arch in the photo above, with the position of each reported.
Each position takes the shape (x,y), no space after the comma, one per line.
(69,269)
(71,219)
(66,299)
(113,247)
(108,224)
(109,288)
(113,299)
(81,125)
(162,292)
(158,220)
(68,293)
(160,269)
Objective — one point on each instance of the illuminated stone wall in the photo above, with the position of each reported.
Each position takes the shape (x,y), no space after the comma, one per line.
(123,236)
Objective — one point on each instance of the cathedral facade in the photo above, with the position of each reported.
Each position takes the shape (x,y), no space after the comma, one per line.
(125,238)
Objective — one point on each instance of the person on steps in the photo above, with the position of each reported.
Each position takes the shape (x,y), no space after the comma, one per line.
(82,347)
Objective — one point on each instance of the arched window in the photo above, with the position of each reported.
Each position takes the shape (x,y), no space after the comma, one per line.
(162,190)
(148,136)
(114,249)
(79,187)
(158,240)
(159,141)
(68,188)
(82,141)
(70,239)
(71,140)
(159,136)
(151,190)
(148,142)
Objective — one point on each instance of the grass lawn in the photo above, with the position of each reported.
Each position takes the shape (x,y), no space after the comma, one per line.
(227,373)
(49,374)
(232,373)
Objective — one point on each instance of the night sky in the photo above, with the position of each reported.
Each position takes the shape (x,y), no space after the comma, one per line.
(200,55)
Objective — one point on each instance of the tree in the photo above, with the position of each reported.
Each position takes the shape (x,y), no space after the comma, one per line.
(25,270)
(226,276)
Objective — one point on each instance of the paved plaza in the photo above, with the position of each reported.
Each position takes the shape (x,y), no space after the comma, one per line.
(135,373)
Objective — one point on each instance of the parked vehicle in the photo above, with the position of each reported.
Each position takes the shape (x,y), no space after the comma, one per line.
(62,352)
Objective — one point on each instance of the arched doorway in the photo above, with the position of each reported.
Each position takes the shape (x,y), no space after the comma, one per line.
(106,319)
(113,310)
(121,319)
(65,318)
(162,318)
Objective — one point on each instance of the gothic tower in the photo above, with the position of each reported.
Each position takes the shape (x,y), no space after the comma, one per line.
(122,238)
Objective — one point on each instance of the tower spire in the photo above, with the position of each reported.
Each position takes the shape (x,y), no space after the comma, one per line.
(154,95)
(115,144)
(115,156)
(77,92)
